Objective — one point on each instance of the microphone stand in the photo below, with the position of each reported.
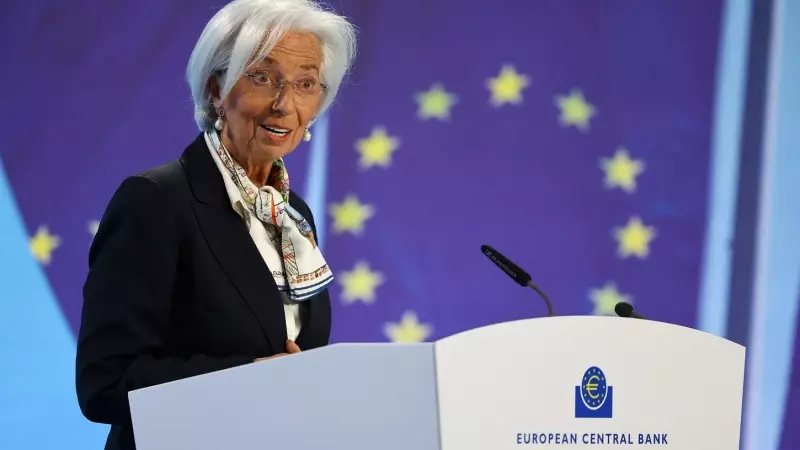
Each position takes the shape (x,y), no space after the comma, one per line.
(544,296)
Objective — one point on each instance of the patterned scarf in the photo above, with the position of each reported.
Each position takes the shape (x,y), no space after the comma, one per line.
(306,272)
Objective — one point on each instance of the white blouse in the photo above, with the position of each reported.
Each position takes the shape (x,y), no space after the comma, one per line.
(261,238)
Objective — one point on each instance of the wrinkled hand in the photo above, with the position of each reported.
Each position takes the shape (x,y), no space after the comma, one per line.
(291,348)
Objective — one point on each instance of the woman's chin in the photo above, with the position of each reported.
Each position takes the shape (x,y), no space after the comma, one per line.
(272,152)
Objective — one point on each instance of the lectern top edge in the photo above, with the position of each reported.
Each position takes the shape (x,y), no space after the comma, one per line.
(564,322)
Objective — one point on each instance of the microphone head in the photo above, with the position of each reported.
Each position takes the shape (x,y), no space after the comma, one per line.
(623,309)
(512,270)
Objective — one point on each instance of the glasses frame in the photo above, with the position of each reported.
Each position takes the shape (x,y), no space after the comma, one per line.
(281,82)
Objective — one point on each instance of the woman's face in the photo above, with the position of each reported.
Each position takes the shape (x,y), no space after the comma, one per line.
(262,121)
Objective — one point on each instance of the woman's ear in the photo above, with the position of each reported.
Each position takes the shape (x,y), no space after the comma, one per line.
(214,92)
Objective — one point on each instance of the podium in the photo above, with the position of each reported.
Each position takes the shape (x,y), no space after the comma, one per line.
(558,382)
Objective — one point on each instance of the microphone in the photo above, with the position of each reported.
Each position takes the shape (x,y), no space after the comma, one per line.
(624,309)
(518,275)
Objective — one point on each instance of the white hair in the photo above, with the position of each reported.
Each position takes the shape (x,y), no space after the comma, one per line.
(245,31)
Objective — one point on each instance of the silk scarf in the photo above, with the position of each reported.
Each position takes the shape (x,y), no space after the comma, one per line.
(306,272)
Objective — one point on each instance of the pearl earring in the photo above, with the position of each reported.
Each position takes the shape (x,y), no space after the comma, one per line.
(218,123)
(307,135)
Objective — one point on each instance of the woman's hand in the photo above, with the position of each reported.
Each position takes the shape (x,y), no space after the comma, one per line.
(291,348)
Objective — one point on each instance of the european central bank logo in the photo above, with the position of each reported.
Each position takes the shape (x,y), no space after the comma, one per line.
(594,397)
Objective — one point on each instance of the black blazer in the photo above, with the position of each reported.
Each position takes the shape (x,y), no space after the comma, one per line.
(177,288)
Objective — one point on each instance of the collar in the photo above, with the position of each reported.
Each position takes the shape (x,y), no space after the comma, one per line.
(234,195)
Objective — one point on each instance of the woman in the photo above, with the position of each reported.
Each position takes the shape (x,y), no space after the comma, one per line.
(210,261)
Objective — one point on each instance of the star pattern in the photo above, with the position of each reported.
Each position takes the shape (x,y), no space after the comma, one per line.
(435,103)
(350,215)
(621,171)
(408,330)
(360,283)
(575,110)
(507,87)
(376,149)
(606,298)
(43,244)
(634,238)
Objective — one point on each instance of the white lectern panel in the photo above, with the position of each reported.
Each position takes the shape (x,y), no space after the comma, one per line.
(573,382)
(346,396)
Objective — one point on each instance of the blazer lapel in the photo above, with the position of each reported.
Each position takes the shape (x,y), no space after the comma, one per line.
(231,244)
(317,312)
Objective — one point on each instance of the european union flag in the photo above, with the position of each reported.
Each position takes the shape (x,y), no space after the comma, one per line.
(577,151)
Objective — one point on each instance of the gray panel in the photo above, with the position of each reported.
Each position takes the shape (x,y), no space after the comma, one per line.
(345,396)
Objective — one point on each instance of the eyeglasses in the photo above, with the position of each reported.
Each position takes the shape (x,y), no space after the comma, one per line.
(270,84)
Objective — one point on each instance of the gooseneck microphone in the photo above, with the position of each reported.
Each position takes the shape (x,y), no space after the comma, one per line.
(518,275)
(624,309)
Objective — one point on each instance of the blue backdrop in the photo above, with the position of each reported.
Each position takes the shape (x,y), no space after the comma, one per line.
(596,144)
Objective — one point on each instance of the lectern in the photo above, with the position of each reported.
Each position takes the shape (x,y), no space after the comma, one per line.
(558,382)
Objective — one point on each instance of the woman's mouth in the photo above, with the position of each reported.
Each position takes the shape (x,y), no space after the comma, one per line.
(276,134)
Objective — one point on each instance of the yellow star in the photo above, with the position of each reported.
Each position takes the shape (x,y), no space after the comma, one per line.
(634,238)
(350,215)
(360,283)
(507,87)
(606,298)
(376,149)
(42,245)
(435,103)
(575,110)
(408,330)
(621,171)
